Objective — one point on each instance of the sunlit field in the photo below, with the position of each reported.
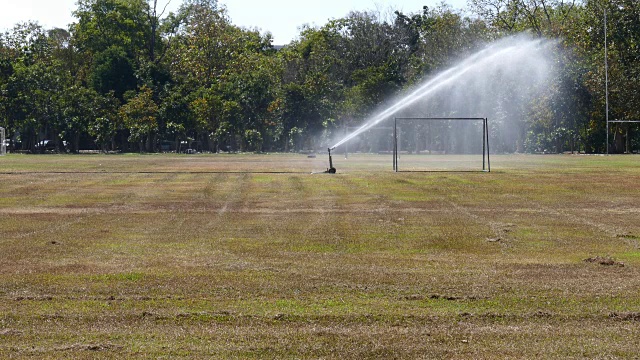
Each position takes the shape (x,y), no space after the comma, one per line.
(253,256)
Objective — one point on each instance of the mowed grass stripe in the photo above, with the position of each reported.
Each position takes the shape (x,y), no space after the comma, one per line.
(367,263)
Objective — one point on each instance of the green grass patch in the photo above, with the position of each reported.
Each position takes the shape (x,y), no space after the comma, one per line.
(209,256)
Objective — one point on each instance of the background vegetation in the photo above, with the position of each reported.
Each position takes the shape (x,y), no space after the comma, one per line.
(127,77)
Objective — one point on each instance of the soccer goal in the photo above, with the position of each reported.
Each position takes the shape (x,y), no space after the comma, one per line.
(3,143)
(625,135)
(441,144)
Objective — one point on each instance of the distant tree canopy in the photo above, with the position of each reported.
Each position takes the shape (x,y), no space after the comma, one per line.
(128,77)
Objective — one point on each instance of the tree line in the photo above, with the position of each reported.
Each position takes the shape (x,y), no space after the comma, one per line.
(126,76)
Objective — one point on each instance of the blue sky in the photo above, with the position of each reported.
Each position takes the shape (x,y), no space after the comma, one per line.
(281,17)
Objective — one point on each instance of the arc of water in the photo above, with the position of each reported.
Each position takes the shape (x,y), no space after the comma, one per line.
(474,62)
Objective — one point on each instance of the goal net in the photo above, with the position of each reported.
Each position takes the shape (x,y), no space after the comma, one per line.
(441,144)
(623,136)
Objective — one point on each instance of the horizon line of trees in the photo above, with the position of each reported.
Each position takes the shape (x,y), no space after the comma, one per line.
(128,77)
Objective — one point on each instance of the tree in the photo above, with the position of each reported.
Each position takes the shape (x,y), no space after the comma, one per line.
(103,124)
(34,82)
(541,16)
(201,51)
(586,35)
(139,116)
(105,24)
(80,107)
(113,71)
(315,63)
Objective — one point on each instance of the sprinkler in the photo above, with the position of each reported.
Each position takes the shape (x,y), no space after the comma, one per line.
(331,169)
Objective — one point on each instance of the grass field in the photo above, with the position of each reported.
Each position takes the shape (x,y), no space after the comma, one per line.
(251,256)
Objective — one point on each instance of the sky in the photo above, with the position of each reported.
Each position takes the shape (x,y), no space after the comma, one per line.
(282,18)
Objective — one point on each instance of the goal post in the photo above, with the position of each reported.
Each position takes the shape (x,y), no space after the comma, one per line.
(3,142)
(630,138)
(441,144)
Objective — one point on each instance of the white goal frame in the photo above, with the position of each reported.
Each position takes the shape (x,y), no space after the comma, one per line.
(3,145)
(486,163)
(617,122)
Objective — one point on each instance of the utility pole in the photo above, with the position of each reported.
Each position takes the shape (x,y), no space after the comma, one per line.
(606,79)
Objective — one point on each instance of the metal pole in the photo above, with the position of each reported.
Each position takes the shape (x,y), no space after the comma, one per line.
(606,78)
(395,143)
(399,149)
(484,141)
(395,155)
(488,156)
(346,145)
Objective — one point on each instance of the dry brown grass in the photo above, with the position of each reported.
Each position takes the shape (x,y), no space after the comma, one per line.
(217,256)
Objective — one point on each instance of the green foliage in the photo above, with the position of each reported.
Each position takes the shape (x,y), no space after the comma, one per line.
(253,138)
(104,24)
(113,71)
(127,74)
(139,116)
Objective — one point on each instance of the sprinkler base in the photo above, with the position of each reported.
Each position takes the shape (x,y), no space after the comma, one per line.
(331,169)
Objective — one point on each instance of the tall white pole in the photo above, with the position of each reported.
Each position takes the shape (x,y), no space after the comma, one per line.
(606,79)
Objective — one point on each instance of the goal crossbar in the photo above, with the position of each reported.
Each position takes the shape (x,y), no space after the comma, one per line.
(486,162)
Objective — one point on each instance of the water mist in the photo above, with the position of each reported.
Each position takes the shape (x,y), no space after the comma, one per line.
(498,82)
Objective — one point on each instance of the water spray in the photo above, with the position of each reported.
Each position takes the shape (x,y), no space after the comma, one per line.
(331,169)
(511,56)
